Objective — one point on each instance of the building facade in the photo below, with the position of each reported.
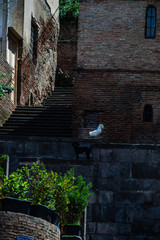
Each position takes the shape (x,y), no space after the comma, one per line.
(118,73)
(28,33)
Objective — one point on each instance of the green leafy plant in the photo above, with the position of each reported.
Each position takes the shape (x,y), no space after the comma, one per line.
(78,200)
(62,185)
(40,189)
(3,158)
(69,9)
(71,197)
(67,195)
(4,88)
(15,186)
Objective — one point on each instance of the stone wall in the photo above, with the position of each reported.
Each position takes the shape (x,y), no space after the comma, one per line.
(125,178)
(118,71)
(13,224)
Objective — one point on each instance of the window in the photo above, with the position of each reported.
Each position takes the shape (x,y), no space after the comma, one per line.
(148,113)
(150,30)
(91,119)
(33,41)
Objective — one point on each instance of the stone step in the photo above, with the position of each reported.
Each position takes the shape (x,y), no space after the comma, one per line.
(52,119)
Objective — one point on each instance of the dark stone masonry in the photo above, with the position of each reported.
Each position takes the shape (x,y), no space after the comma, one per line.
(125,178)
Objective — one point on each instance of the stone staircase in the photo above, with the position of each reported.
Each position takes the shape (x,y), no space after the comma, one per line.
(54,119)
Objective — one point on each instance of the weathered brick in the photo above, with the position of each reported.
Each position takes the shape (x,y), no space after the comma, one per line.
(117,71)
(13,224)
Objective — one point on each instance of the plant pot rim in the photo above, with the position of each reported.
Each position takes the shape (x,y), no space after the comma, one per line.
(72,224)
(12,198)
(44,206)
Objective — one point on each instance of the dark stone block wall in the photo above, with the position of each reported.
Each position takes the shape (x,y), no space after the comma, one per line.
(125,178)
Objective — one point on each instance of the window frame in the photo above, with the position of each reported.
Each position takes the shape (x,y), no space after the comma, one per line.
(33,41)
(148,113)
(148,32)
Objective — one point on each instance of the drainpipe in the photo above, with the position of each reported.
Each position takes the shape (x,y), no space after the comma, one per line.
(5,27)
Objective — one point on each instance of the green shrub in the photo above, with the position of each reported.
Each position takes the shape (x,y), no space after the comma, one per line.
(67,195)
(40,187)
(69,9)
(15,186)
(71,197)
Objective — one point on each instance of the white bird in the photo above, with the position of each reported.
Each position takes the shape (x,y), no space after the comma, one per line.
(96,132)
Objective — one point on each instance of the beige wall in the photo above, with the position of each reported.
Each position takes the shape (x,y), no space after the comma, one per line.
(54,5)
(38,9)
(15,16)
(1,12)
(20,14)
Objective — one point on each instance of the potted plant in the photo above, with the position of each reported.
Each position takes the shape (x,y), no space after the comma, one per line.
(13,191)
(71,198)
(41,193)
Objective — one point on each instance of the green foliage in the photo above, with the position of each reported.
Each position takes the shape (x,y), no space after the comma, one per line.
(78,200)
(69,9)
(15,186)
(63,185)
(66,194)
(71,197)
(2,159)
(4,88)
(40,187)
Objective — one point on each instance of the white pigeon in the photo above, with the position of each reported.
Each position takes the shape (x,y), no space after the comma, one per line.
(96,132)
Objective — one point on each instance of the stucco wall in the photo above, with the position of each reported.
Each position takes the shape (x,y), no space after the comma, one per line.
(15,16)
(1,14)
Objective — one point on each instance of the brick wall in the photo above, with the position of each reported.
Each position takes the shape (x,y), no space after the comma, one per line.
(118,71)
(38,76)
(67,50)
(13,224)
(118,99)
(111,35)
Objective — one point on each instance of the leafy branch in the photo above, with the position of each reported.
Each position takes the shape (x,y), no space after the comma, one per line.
(3,158)
(69,9)
(4,88)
